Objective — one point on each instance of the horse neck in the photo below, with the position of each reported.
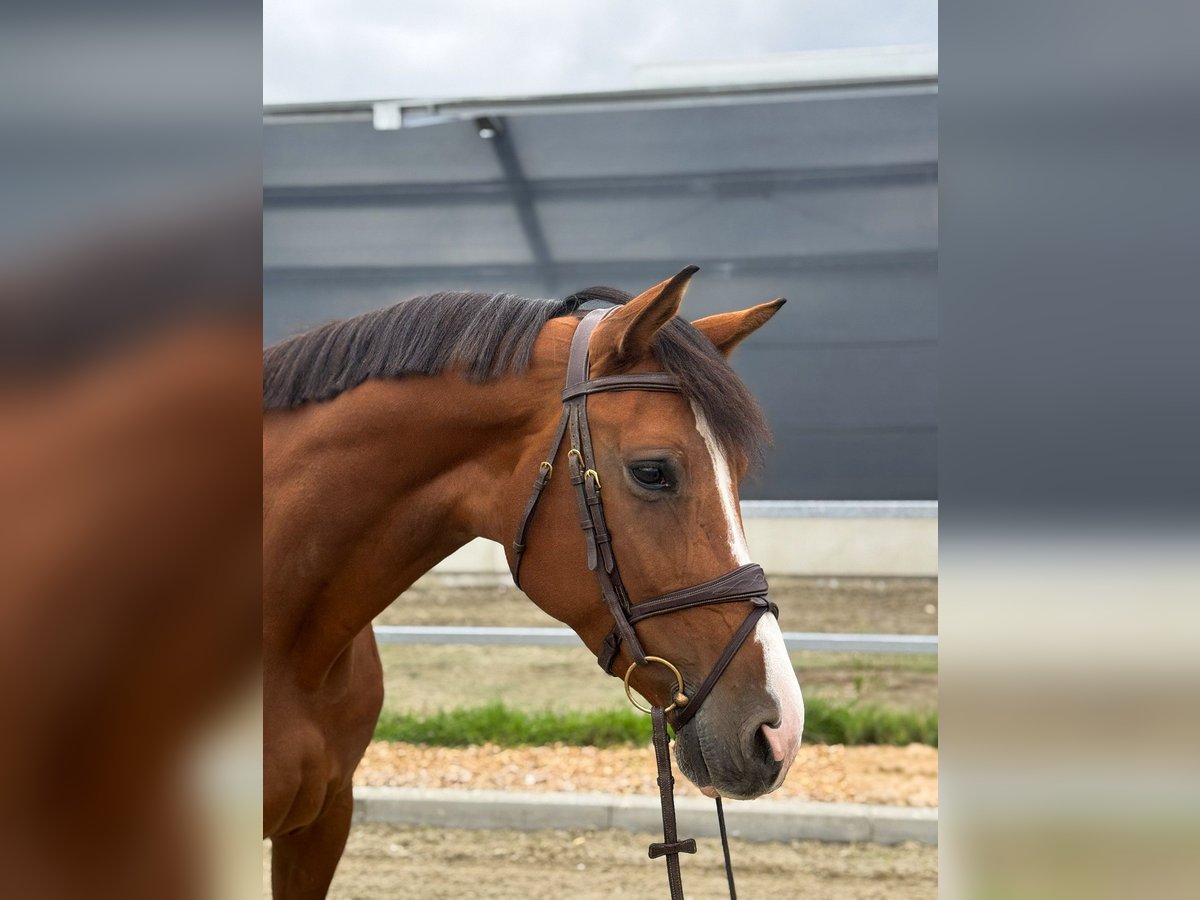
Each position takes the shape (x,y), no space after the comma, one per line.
(367,492)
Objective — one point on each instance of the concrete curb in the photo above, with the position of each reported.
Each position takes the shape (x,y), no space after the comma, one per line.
(768,820)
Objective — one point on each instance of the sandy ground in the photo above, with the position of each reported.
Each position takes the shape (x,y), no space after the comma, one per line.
(385,861)
(429,678)
(899,776)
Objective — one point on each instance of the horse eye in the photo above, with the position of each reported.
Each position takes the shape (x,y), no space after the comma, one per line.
(650,475)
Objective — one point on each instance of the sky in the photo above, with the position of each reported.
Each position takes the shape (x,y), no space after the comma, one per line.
(316,50)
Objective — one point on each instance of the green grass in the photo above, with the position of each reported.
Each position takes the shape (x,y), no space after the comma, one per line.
(825,723)
(499,724)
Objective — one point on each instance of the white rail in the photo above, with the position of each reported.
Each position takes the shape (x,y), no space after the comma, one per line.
(565,637)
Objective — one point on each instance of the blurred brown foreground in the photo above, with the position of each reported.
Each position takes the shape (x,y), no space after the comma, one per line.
(129,561)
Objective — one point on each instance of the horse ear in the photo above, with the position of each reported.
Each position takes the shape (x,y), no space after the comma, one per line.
(727,330)
(629,329)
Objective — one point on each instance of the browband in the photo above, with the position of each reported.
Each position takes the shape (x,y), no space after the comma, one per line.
(646,381)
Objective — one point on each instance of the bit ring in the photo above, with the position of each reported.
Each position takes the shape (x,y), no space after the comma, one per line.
(681,698)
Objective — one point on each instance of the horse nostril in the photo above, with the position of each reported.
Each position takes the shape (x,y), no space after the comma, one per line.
(775,740)
(759,749)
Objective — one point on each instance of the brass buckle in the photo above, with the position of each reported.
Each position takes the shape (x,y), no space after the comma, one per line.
(681,698)
(595,476)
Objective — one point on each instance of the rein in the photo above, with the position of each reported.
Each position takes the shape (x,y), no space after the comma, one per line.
(745,583)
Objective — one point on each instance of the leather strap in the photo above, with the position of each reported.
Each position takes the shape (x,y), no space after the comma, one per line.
(597,540)
(577,363)
(725,850)
(539,485)
(742,583)
(577,372)
(644,381)
(670,846)
(685,714)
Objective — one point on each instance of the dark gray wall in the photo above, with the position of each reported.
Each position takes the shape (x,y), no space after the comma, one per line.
(830,202)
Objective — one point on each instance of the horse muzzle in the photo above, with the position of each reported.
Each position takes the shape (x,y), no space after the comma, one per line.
(742,759)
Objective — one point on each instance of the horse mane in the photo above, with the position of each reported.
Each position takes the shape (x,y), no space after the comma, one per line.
(487,336)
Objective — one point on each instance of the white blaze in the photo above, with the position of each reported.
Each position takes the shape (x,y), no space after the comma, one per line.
(737,539)
(781,677)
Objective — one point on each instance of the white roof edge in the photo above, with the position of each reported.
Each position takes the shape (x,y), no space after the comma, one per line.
(801,76)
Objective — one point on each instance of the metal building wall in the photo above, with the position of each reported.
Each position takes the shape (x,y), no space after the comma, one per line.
(827,197)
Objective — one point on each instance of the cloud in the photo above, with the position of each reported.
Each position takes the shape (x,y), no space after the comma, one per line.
(358,49)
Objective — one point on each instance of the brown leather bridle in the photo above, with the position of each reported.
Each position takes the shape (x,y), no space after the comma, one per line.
(745,583)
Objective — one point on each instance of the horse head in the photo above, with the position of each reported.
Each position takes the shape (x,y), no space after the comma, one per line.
(666,466)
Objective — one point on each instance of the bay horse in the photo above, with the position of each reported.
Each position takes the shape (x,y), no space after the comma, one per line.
(394,438)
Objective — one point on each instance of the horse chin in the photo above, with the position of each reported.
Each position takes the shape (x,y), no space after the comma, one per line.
(689,756)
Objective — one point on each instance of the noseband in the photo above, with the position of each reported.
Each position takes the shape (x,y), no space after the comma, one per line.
(745,583)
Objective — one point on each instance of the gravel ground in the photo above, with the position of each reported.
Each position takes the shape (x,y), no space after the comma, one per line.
(384,861)
(899,776)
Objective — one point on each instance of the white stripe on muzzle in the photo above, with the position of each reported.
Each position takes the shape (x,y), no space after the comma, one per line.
(781,677)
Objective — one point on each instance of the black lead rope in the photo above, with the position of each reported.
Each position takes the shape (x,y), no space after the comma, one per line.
(671,846)
(725,849)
